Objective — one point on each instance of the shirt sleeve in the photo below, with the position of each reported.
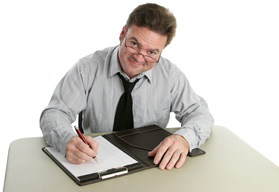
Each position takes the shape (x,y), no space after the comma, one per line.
(191,111)
(68,99)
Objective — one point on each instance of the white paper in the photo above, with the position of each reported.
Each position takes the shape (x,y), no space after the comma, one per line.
(108,157)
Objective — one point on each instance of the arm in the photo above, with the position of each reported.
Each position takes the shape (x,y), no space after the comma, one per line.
(192,112)
(196,124)
(69,98)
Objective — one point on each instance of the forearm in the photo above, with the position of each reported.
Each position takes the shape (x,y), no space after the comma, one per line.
(56,129)
(191,111)
(66,102)
(196,126)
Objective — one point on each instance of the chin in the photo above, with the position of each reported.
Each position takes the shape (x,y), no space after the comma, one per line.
(132,73)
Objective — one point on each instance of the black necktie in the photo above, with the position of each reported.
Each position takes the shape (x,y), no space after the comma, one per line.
(124,115)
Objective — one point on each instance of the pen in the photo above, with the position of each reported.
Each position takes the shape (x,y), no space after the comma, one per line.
(84,140)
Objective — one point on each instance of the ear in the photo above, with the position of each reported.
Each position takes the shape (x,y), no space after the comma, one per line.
(122,33)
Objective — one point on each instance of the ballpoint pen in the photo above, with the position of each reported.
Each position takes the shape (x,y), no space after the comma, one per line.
(84,140)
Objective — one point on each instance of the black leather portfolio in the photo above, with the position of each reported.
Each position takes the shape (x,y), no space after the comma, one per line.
(134,142)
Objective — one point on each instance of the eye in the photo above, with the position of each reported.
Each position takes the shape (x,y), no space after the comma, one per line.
(153,53)
(134,44)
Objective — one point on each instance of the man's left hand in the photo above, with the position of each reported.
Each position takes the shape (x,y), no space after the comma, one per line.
(171,152)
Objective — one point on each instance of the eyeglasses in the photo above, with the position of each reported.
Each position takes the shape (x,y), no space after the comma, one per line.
(131,47)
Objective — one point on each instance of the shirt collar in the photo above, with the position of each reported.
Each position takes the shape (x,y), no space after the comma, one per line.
(114,64)
(115,68)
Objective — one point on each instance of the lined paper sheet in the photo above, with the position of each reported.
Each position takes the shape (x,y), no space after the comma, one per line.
(108,156)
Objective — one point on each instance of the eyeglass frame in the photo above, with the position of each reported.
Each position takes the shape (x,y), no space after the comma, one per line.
(138,53)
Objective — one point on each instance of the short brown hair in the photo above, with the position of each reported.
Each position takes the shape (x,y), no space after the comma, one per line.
(156,18)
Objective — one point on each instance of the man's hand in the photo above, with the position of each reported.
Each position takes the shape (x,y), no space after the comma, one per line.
(172,152)
(78,152)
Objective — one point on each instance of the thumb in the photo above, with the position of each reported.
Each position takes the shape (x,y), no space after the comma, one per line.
(153,152)
(93,144)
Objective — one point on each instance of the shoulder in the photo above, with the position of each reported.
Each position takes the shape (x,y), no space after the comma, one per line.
(97,62)
(167,68)
(98,56)
(93,65)
(170,71)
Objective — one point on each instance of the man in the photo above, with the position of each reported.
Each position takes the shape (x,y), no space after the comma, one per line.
(95,85)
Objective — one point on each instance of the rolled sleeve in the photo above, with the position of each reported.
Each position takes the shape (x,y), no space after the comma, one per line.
(56,129)
(191,111)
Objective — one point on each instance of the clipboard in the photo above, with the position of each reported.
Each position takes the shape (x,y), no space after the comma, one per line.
(136,143)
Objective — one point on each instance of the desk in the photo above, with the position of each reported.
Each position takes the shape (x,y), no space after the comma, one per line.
(229,165)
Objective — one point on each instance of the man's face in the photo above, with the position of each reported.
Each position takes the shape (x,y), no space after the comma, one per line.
(144,41)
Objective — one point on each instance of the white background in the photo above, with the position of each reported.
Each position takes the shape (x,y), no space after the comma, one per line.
(228,50)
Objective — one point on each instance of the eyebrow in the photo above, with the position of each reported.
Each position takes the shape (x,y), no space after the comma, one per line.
(135,39)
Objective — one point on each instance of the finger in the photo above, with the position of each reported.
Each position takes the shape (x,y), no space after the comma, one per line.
(72,158)
(175,157)
(164,152)
(166,158)
(93,145)
(154,151)
(161,153)
(75,160)
(77,151)
(71,152)
(181,160)
(84,151)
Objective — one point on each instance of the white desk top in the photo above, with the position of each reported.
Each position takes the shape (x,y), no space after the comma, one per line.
(229,165)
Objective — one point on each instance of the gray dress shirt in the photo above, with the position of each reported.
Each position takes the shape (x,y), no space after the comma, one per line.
(93,86)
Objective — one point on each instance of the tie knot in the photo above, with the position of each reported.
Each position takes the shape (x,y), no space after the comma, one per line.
(128,87)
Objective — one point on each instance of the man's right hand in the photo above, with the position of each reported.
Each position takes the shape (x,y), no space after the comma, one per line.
(78,152)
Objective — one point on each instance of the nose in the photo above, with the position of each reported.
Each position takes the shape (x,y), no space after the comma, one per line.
(139,57)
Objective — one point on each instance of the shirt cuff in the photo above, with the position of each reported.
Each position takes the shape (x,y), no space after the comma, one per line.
(190,136)
(65,141)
